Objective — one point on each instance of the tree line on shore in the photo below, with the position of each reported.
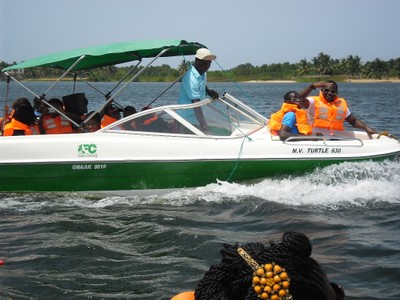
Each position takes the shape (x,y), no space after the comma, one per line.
(322,65)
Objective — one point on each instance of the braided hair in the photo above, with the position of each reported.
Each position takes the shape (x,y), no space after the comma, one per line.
(232,278)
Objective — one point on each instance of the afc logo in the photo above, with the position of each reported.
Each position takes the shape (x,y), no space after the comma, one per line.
(87,150)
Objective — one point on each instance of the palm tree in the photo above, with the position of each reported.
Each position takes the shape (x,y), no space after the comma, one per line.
(353,65)
(394,66)
(183,66)
(376,69)
(303,67)
(323,64)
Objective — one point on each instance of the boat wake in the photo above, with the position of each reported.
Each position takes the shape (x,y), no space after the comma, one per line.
(345,184)
(351,183)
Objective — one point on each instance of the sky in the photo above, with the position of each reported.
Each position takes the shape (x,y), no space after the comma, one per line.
(237,31)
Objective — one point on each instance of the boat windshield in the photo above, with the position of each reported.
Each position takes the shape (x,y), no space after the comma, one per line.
(224,118)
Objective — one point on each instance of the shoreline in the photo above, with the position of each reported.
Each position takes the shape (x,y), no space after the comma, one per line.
(347,80)
(393,80)
(372,80)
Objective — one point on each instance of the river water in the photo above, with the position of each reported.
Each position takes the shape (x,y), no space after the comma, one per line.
(84,246)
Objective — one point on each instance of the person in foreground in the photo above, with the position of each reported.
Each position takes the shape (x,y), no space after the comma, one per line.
(329,110)
(280,271)
(291,119)
(193,87)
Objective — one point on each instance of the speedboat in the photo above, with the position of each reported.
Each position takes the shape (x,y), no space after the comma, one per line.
(170,153)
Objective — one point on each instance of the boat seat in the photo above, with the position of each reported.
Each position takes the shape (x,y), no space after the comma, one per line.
(76,103)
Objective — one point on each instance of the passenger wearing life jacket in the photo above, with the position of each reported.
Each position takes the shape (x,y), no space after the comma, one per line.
(129,110)
(152,122)
(7,115)
(51,122)
(111,114)
(92,121)
(23,121)
(329,110)
(291,119)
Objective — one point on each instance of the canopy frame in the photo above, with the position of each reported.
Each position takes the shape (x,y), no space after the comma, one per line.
(177,48)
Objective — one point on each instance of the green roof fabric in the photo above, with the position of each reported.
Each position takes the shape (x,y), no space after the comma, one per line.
(112,54)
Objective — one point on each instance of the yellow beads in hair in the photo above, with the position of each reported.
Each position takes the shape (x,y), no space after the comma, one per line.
(271,281)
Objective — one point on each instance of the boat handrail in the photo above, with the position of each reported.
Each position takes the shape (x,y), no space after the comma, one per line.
(243,112)
(262,119)
(183,121)
(158,109)
(325,140)
(166,108)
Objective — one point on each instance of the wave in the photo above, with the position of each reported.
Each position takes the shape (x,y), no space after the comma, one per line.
(354,184)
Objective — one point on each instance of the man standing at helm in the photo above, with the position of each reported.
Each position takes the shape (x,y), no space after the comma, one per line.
(194,89)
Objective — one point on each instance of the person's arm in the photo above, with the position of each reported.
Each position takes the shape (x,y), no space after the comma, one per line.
(305,103)
(352,119)
(312,87)
(200,116)
(288,123)
(286,132)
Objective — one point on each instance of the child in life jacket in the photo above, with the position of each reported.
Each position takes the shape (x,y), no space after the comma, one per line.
(52,122)
(291,119)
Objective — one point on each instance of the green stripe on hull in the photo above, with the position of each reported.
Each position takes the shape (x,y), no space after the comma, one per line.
(103,176)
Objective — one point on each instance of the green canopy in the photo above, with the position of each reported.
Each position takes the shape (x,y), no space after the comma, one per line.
(112,54)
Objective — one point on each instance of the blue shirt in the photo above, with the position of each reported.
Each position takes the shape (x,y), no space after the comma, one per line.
(193,87)
(289,119)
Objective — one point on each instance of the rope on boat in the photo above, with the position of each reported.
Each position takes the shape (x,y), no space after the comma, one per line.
(238,159)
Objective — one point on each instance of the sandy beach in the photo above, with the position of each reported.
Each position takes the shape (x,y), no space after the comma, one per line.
(348,80)
(372,80)
(270,81)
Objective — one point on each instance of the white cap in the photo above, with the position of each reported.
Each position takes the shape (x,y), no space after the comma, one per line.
(205,54)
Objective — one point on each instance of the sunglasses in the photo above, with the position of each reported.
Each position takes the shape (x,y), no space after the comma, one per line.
(296,99)
(330,91)
(339,291)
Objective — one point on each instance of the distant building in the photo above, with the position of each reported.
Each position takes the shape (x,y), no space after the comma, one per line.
(17,73)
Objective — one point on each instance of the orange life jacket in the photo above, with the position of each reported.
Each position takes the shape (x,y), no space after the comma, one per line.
(184,296)
(57,125)
(330,115)
(6,120)
(107,120)
(13,126)
(275,121)
(150,120)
